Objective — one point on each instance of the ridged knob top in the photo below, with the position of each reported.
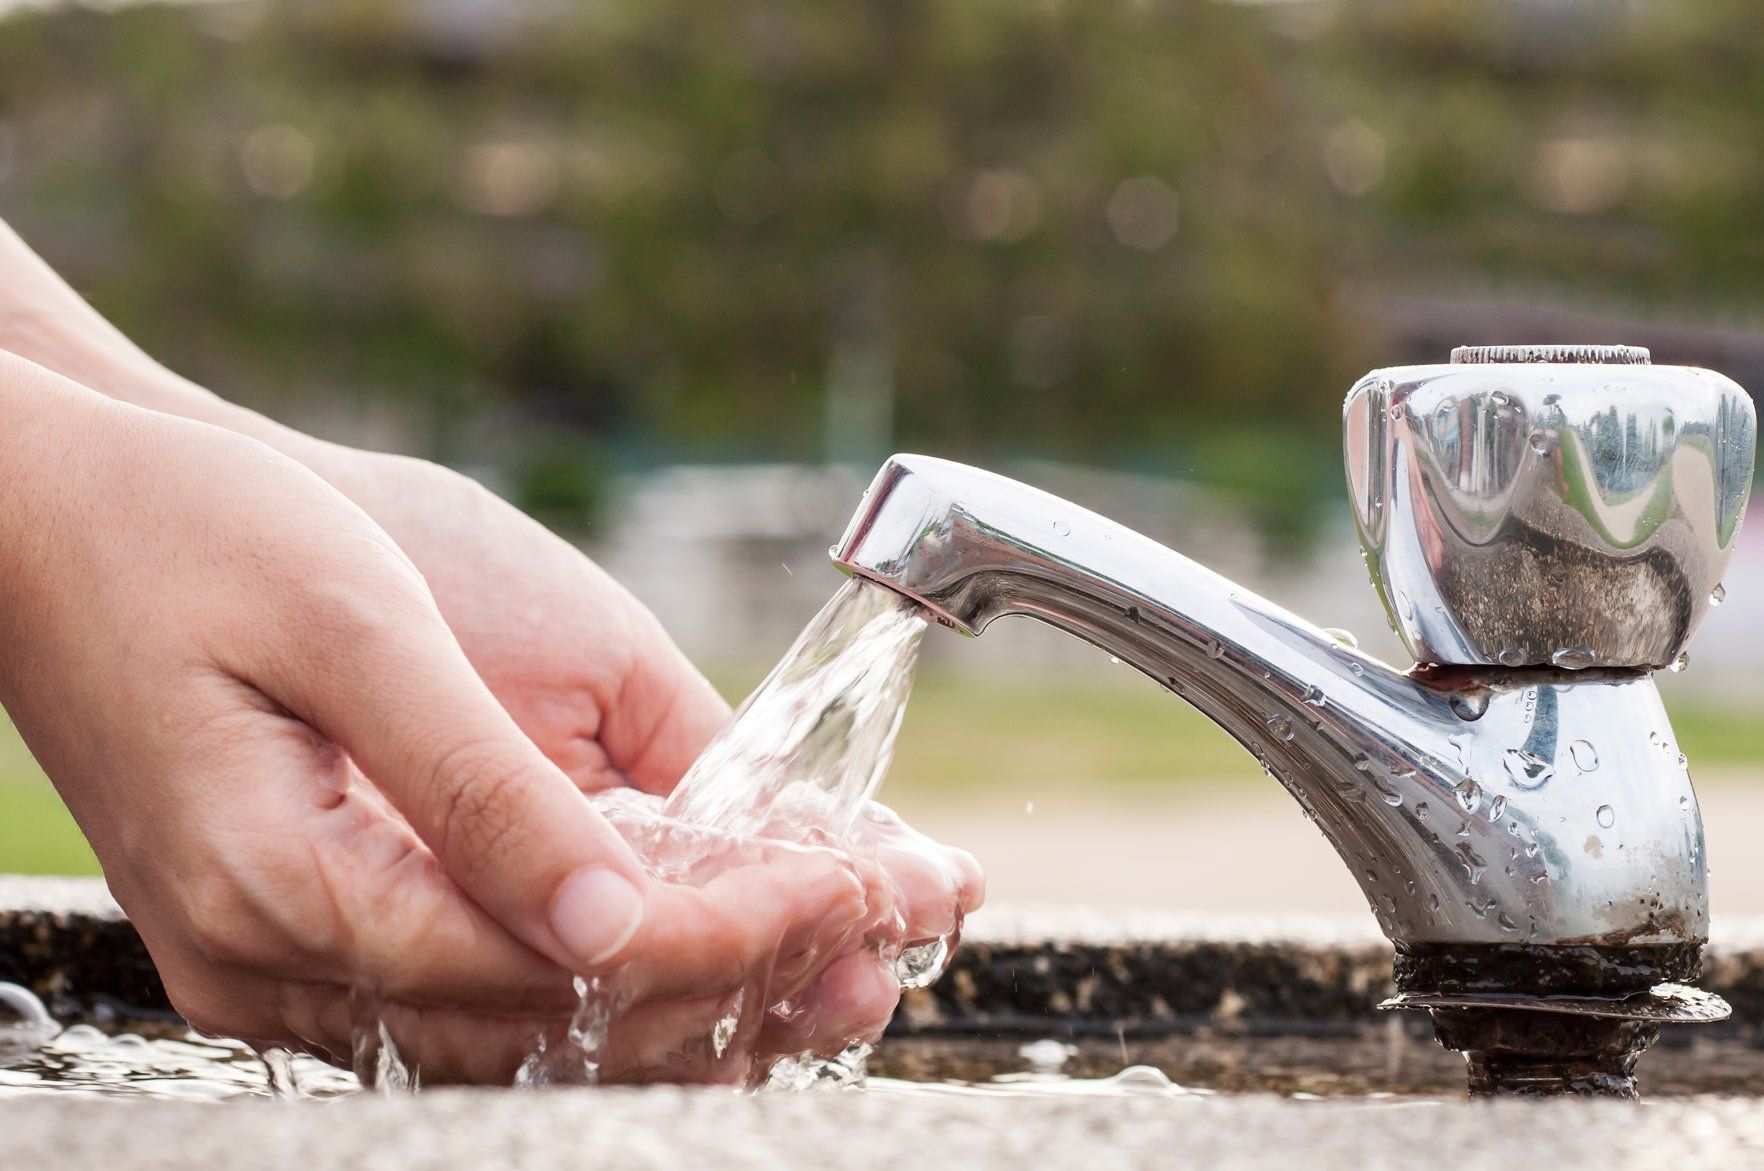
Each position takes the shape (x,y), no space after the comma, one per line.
(1610,355)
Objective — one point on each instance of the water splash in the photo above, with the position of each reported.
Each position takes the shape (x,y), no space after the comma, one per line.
(812,743)
(805,1071)
(37,1055)
(279,1073)
(798,763)
(374,1054)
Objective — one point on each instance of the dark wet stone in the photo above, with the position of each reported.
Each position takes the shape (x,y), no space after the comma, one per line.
(1018,970)
(70,944)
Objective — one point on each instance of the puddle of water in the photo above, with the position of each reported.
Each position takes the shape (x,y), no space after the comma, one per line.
(144,1060)
(156,1062)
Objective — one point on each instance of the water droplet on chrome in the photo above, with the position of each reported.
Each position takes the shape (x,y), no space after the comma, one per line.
(1362,761)
(1062,529)
(1527,769)
(1575,658)
(1470,706)
(1314,696)
(1405,607)
(1718,595)
(1584,755)
(1469,795)
(1512,657)
(1684,802)
(1497,807)
(1680,663)
(1280,726)
(1215,649)
(1344,637)
(1607,816)
(1540,443)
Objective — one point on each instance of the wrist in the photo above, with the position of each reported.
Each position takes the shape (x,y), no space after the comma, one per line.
(149,385)
(47,420)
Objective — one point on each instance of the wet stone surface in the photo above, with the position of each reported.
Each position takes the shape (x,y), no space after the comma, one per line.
(66,940)
(1019,970)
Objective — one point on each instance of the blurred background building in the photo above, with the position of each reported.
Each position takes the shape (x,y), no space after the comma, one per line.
(676,276)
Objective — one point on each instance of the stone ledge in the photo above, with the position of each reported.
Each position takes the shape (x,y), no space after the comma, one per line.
(1029,969)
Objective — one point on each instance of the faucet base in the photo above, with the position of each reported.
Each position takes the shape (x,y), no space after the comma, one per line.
(1591,971)
(1518,1053)
(1579,1036)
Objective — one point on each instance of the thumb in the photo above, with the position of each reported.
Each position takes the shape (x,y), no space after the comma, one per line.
(666,714)
(384,678)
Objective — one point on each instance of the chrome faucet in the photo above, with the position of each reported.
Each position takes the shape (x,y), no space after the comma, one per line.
(1546,526)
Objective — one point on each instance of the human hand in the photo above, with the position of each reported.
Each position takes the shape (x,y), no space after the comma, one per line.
(295,781)
(584,669)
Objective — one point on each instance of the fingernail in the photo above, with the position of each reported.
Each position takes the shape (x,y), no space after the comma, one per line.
(595,914)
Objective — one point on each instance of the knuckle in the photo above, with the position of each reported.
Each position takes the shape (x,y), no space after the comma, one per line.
(240,919)
(353,606)
(215,925)
(479,816)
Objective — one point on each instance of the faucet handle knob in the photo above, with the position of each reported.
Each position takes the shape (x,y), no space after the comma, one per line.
(1562,505)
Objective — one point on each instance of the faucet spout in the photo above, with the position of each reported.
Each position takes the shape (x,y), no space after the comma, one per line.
(1480,810)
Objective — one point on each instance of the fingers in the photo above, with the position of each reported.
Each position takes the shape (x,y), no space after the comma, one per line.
(935,885)
(411,935)
(780,913)
(442,1046)
(666,714)
(382,676)
(852,1000)
(516,836)
(307,872)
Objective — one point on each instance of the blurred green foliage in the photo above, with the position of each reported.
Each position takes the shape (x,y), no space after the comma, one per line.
(965,738)
(1144,234)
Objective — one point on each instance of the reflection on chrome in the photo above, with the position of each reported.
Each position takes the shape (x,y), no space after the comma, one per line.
(1532,798)
(1531,505)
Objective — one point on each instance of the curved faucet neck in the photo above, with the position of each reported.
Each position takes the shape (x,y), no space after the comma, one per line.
(1435,788)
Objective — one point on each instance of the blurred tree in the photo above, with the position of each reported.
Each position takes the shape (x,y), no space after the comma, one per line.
(1139,234)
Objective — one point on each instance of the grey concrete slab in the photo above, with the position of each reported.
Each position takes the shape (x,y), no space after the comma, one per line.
(856,1131)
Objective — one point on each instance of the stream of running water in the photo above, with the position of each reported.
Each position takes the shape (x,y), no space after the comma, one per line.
(795,766)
